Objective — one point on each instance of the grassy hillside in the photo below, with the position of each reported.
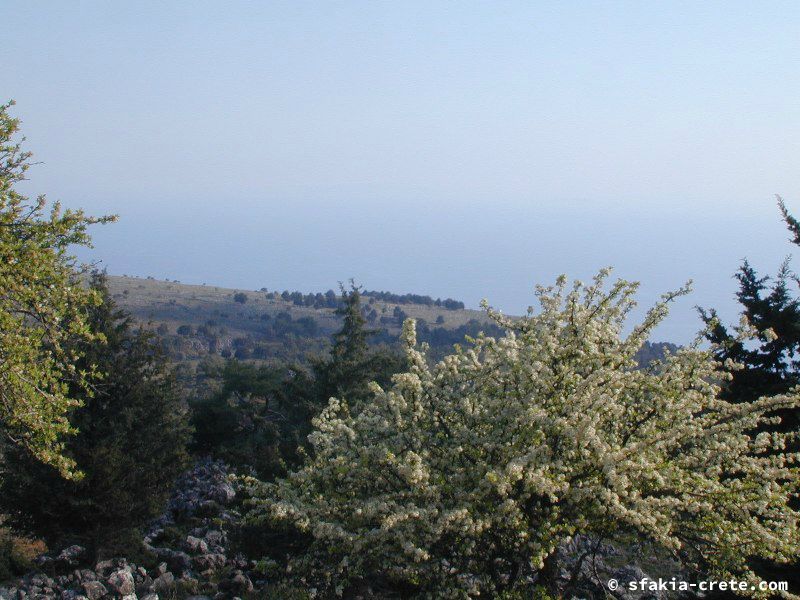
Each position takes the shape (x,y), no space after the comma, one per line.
(198,321)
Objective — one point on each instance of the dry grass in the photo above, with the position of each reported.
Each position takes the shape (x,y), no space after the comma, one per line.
(17,554)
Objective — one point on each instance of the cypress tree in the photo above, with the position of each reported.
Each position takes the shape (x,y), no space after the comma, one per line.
(351,365)
(771,366)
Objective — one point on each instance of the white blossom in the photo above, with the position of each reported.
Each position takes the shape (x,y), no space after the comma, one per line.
(502,450)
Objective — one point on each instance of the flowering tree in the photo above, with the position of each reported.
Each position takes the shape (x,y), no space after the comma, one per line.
(463,478)
(42,304)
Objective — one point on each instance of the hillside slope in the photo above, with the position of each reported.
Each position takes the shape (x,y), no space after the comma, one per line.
(197,322)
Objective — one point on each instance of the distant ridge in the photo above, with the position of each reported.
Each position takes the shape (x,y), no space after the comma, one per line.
(200,322)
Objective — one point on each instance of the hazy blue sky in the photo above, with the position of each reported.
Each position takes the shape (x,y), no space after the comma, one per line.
(463,149)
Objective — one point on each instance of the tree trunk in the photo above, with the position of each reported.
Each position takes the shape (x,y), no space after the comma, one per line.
(549,574)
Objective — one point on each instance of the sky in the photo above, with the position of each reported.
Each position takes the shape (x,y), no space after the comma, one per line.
(457,149)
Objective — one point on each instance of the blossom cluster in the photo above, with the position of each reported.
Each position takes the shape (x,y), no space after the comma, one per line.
(463,477)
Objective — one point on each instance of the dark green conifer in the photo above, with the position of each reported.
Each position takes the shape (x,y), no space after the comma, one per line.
(351,365)
(771,365)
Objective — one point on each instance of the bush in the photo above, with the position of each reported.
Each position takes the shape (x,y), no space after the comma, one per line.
(463,478)
(257,419)
(16,555)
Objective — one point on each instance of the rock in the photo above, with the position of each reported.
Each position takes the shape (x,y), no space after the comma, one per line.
(71,556)
(122,582)
(238,584)
(587,577)
(104,566)
(200,496)
(208,509)
(196,545)
(41,580)
(144,585)
(164,582)
(179,562)
(628,573)
(205,562)
(86,575)
(214,536)
(94,590)
(223,493)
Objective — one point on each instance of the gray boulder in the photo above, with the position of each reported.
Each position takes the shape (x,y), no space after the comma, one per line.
(163,582)
(223,493)
(238,584)
(204,562)
(71,557)
(179,562)
(94,590)
(122,582)
(196,545)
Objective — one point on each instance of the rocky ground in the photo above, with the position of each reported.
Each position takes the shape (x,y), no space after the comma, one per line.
(587,567)
(190,542)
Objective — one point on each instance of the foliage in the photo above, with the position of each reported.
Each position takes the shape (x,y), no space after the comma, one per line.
(770,363)
(41,305)
(130,443)
(463,477)
(448,303)
(318,300)
(442,340)
(261,415)
(16,555)
(258,418)
(351,365)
